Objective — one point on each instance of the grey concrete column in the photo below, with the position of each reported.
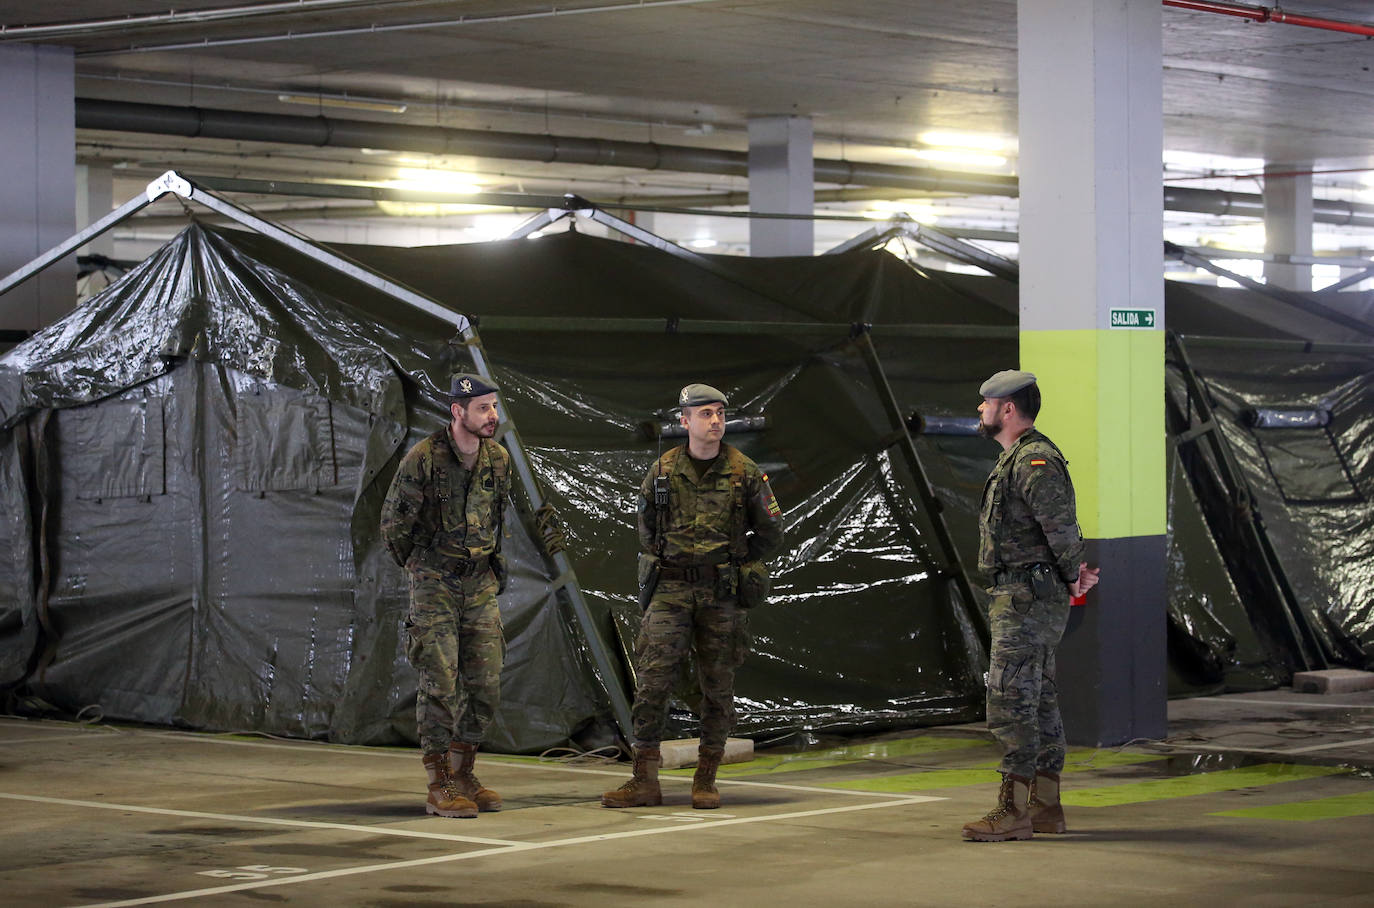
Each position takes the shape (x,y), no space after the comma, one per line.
(94,200)
(781,181)
(38,160)
(1090,76)
(1288,223)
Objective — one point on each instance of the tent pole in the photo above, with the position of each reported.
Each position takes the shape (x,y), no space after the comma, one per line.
(1244,513)
(961,251)
(1172,250)
(954,568)
(867,240)
(60,251)
(538,222)
(1350,281)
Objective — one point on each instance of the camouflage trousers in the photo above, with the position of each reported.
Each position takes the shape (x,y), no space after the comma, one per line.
(685,617)
(1023,699)
(457,647)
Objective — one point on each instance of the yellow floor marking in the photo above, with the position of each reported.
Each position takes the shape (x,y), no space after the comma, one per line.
(985,773)
(841,756)
(1196,784)
(1358,804)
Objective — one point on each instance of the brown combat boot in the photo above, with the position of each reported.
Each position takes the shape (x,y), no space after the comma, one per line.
(642,790)
(1010,819)
(444,798)
(1047,814)
(704,794)
(461,756)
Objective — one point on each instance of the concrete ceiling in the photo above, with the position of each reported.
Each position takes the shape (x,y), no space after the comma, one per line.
(874,76)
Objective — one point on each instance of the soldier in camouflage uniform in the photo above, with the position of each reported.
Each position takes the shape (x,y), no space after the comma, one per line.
(707,521)
(442,522)
(1030,547)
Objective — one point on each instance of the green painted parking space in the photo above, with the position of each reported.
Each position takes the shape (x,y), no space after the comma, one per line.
(1358,804)
(1196,784)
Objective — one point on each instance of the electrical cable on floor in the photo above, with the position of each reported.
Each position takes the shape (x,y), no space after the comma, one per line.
(573,756)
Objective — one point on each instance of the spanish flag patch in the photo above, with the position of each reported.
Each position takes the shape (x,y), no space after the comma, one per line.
(1037,462)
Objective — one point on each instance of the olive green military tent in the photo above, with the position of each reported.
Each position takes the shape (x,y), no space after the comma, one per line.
(192,463)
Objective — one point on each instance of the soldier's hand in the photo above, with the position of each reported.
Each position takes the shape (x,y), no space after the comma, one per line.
(1087,579)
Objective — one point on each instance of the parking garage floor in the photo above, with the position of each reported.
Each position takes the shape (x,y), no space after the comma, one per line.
(1256,799)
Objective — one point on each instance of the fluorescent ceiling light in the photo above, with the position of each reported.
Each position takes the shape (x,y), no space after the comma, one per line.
(702,242)
(963,140)
(960,156)
(344,101)
(886,210)
(428,179)
(427,209)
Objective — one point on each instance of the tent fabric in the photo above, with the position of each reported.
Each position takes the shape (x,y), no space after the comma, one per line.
(1313,486)
(192,465)
(220,436)
(250,581)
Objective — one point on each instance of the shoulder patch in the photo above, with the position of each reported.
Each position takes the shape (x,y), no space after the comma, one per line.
(1038,462)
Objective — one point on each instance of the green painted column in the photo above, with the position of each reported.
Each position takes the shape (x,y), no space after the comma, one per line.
(1092,320)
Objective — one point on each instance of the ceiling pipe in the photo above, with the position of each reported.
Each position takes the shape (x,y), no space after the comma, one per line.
(84,27)
(1272,14)
(245,126)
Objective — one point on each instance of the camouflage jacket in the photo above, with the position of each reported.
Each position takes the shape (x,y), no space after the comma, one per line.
(1029,514)
(729,514)
(439,513)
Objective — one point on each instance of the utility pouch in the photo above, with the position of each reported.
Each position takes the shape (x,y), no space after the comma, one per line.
(1045,582)
(498,569)
(754,583)
(648,579)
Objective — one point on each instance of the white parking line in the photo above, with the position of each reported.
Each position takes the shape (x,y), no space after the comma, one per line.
(266,821)
(513,847)
(49,739)
(1296,704)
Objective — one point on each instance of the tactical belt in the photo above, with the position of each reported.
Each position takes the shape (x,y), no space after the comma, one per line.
(691,573)
(468,568)
(1019,574)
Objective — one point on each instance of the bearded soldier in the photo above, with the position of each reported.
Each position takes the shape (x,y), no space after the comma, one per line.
(1030,546)
(442,522)
(707,520)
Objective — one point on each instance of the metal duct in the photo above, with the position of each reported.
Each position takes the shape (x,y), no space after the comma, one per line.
(124,116)
(159,119)
(1275,418)
(919,424)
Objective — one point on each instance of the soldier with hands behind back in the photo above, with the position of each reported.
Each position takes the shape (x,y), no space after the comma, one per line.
(1029,547)
(442,522)
(707,522)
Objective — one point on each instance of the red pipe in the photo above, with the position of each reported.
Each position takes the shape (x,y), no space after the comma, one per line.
(1272,14)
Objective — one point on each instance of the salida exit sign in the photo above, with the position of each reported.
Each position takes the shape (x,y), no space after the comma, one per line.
(1133,318)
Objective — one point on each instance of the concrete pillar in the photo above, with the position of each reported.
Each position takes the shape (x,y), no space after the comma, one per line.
(1091,140)
(1288,223)
(94,200)
(38,162)
(781,181)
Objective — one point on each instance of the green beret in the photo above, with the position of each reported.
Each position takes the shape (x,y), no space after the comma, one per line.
(1007,383)
(469,384)
(697,394)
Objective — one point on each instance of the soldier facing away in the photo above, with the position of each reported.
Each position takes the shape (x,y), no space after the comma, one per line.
(442,522)
(707,521)
(1029,546)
